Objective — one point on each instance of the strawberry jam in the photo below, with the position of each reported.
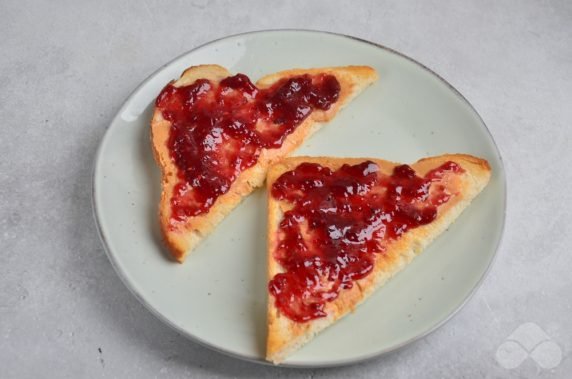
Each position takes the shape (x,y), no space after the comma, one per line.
(219,130)
(339,222)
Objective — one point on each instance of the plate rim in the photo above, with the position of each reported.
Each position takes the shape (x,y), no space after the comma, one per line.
(344,362)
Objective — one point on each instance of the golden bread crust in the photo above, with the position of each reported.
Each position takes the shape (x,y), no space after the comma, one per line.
(284,335)
(352,79)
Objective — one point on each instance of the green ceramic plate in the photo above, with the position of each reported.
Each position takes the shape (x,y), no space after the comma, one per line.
(218,297)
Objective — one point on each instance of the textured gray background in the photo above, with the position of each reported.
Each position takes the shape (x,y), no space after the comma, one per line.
(65,69)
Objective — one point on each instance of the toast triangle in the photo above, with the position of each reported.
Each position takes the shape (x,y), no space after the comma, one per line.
(182,239)
(285,335)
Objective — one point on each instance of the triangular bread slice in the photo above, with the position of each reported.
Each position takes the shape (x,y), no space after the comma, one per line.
(185,236)
(285,335)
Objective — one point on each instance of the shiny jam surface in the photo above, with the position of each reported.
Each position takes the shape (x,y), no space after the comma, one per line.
(219,130)
(339,221)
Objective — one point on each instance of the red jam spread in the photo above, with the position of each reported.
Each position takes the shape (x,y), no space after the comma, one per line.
(339,221)
(219,129)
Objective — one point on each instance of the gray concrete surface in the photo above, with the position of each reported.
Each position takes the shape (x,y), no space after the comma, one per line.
(66,67)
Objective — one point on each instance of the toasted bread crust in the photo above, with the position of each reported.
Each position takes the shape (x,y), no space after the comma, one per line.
(284,335)
(352,79)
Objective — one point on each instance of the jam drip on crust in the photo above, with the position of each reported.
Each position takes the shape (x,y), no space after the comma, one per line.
(219,130)
(339,222)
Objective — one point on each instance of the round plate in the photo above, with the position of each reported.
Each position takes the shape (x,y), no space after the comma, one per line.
(218,296)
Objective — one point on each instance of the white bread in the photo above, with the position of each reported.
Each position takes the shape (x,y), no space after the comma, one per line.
(286,336)
(352,79)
